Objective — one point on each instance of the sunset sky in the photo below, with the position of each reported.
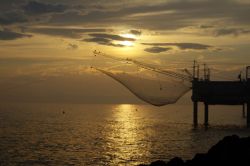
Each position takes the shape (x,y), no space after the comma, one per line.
(46,46)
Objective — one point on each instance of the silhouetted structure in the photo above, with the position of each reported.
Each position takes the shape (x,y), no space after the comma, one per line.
(232,150)
(219,93)
(204,90)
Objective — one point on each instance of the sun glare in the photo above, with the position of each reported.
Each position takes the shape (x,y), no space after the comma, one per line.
(128,35)
(126,43)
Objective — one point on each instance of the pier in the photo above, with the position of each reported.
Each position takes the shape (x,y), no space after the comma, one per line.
(219,93)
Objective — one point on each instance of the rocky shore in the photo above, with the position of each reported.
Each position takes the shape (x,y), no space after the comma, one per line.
(231,150)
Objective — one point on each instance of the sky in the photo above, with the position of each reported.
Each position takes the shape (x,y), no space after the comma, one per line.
(46,46)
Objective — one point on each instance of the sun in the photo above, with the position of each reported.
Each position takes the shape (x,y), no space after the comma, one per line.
(128,35)
(126,43)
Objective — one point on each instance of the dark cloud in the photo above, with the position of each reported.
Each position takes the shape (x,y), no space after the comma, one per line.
(167,15)
(11,17)
(206,26)
(75,17)
(135,32)
(182,46)
(36,7)
(107,39)
(66,32)
(156,49)
(8,5)
(231,31)
(10,35)
(194,46)
(103,41)
(72,46)
(111,37)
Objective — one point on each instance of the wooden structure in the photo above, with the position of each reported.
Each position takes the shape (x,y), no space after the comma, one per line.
(219,93)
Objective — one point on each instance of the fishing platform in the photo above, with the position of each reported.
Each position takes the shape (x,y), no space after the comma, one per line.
(203,89)
(219,93)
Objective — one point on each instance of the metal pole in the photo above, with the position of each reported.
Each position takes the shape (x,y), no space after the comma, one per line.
(247,72)
(248,114)
(194,68)
(208,77)
(243,111)
(206,115)
(204,71)
(198,71)
(195,114)
(248,97)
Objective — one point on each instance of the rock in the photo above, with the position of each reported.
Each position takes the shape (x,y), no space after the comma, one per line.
(231,150)
(177,161)
(158,163)
(199,158)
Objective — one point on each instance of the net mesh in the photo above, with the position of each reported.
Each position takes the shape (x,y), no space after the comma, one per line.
(148,82)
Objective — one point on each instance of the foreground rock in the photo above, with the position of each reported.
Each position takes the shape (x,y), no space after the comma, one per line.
(232,150)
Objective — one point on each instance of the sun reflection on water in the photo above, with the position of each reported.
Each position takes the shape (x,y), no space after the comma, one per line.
(126,135)
(128,124)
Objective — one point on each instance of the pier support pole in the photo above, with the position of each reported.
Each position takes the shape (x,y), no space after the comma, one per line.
(243,111)
(206,115)
(195,114)
(248,114)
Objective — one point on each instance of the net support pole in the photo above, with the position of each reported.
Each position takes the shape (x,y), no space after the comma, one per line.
(243,111)
(206,115)
(195,113)
(248,114)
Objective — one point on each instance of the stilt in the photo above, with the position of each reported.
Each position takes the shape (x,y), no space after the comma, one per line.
(206,115)
(243,111)
(195,114)
(248,114)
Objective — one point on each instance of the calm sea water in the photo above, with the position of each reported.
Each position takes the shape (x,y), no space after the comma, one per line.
(40,134)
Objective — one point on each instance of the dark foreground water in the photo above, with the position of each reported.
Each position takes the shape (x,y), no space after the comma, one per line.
(41,134)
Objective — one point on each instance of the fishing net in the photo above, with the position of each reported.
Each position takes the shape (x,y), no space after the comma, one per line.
(150,83)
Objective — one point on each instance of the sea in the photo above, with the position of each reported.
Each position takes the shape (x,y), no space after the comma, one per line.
(57,134)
